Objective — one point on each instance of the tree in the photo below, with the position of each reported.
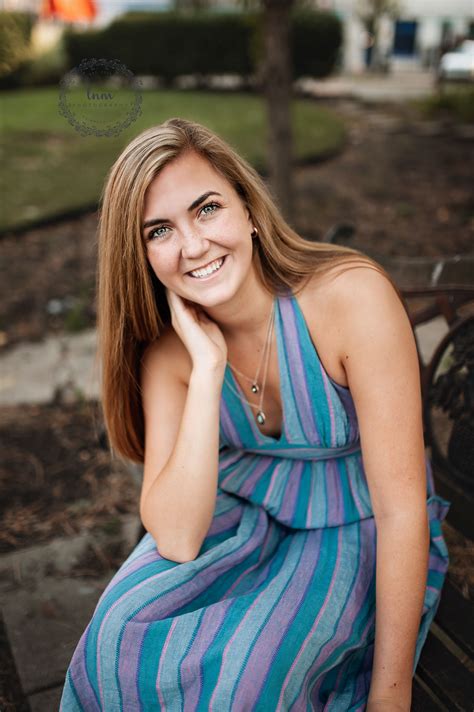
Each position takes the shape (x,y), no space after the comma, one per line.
(277,89)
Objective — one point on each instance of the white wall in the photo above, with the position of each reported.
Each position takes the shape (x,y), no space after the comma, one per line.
(429,15)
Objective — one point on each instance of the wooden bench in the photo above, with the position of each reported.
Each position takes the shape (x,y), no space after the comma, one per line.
(443,288)
(444,678)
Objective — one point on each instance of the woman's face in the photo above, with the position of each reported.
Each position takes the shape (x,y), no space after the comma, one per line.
(195,220)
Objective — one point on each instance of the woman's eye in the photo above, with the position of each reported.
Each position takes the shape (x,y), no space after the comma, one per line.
(210,205)
(153,234)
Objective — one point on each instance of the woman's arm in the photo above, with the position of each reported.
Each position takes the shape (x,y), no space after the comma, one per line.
(179,488)
(402,558)
(378,351)
(181,457)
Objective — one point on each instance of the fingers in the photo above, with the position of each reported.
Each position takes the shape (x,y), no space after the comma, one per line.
(182,312)
(175,302)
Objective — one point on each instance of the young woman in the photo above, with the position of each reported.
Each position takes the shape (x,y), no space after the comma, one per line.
(294,557)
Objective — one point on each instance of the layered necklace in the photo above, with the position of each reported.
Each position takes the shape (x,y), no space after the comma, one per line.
(265,359)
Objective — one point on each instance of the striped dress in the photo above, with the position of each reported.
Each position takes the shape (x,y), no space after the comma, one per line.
(277,611)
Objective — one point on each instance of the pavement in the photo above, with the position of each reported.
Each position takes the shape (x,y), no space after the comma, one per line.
(396,86)
(403,81)
(35,372)
(46,605)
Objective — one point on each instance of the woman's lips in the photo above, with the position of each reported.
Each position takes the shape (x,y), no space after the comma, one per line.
(214,272)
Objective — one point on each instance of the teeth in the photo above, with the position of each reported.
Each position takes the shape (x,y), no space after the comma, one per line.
(208,270)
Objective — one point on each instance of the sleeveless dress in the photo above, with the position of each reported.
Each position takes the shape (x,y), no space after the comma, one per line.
(277,611)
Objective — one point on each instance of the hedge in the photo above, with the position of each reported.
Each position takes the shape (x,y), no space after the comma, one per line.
(15,33)
(170,44)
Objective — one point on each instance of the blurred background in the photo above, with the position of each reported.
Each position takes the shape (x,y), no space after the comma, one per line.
(359,114)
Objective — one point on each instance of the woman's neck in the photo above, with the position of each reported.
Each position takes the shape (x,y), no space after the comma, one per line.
(245,318)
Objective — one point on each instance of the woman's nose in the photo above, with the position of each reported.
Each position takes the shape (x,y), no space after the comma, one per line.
(193,245)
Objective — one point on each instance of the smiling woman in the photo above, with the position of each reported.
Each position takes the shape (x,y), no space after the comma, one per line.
(293,556)
(199,242)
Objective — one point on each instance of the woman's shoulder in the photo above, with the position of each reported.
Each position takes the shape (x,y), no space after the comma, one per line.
(345,284)
(331,300)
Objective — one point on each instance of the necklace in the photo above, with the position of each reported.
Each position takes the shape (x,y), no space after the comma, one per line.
(255,388)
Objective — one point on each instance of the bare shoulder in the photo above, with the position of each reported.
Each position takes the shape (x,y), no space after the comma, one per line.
(170,353)
(343,289)
(336,303)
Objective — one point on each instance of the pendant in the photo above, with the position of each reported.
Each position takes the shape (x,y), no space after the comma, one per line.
(255,388)
(261,417)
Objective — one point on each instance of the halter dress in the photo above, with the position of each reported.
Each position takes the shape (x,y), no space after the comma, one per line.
(277,612)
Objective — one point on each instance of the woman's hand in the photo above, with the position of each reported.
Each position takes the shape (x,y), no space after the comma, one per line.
(201,336)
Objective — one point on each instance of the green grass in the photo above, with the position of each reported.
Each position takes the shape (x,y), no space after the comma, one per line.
(455,102)
(48,167)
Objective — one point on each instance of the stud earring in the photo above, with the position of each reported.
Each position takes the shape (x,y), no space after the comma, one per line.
(254,233)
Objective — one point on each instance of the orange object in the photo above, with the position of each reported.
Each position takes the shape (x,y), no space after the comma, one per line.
(69,10)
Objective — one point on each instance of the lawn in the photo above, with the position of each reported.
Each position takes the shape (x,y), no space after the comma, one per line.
(48,167)
(454,102)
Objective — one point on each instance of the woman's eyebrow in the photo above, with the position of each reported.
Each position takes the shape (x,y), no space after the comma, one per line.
(194,204)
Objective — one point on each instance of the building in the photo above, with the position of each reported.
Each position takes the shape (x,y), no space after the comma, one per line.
(413,39)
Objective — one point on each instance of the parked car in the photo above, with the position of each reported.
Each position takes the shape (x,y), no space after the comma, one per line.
(458,64)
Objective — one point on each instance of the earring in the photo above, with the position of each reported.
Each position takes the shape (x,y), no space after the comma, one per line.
(254,232)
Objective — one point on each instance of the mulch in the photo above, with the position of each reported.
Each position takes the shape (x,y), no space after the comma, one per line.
(56,477)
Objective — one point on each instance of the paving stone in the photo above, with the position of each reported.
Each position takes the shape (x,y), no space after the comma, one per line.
(45,625)
(33,372)
(26,567)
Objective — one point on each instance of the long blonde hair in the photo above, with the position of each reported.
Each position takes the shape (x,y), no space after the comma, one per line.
(132,307)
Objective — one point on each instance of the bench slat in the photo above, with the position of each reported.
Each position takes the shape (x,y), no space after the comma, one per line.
(445,676)
(455,615)
(462,502)
(423,699)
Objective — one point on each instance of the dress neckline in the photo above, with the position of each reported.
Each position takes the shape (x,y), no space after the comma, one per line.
(342,390)
(243,401)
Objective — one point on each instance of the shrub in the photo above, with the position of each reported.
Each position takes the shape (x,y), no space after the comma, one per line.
(455,103)
(170,44)
(15,34)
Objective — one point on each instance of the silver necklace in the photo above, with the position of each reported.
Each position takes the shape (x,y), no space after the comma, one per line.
(255,388)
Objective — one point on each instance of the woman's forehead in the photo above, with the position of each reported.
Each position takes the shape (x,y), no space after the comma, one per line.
(189,167)
(183,180)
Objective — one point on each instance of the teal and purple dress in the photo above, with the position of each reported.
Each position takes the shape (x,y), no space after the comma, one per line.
(277,612)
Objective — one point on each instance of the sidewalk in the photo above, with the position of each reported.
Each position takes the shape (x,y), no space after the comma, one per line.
(45,603)
(35,372)
(396,86)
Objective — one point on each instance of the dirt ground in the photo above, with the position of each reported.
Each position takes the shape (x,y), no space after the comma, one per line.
(406,192)
(57,478)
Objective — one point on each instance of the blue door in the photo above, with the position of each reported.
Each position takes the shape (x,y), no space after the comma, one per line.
(404,40)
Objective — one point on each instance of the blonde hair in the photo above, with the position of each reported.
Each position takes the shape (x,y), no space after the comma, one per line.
(132,307)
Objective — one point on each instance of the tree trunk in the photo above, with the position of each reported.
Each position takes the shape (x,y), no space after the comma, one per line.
(277,88)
